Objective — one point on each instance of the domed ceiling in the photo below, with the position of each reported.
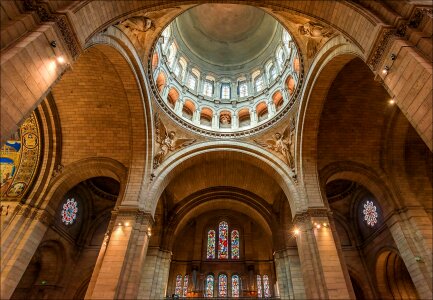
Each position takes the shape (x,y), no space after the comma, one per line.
(226,34)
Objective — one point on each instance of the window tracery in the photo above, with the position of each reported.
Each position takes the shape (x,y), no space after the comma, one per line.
(370,213)
(243,89)
(178,288)
(223,251)
(69,211)
(185,286)
(259,286)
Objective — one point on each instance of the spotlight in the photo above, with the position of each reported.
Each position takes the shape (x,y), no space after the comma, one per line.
(385,70)
(127,224)
(53,44)
(391,101)
(393,56)
(60,59)
(318,226)
(296,231)
(120,224)
(326,225)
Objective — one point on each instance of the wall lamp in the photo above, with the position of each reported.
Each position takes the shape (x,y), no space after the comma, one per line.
(385,70)
(53,44)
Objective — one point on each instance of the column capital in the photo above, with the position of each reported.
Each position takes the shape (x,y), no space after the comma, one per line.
(34,213)
(306,216)
(129,213)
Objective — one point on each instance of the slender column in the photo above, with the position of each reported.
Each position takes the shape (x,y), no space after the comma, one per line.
(271,108)
(215,121)
(196,116)
(322,266)
(179,106)
(20,239)
(411,230)
(121,260)
(253,116)
(235,121)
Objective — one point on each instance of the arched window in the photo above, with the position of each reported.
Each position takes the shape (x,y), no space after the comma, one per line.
(280,56)
(172,53)
(235,244)
(178,289)
(222,285)
(235,286)
(243,88)
(210,244)
(286,39)
(259,83)
(192,81)
(209,286)
(185,286)
(178,70)
(208,88)
(223,229)
(259,286)
(69,211)
(272,72)
(166,35)
(225,91)
(266,287)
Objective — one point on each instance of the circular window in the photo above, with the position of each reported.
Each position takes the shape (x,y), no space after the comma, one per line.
(69,211)
(225,70)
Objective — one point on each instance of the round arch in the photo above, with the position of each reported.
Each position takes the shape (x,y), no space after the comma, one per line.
(251,154)
(92,167)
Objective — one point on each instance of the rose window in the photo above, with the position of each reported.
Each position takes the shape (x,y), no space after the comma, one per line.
(370,213)
(69,212)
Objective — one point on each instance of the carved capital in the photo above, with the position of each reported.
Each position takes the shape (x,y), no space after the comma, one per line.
(306,216)
(381,47)
(34,214)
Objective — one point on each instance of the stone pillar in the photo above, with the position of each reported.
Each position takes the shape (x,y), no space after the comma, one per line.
(271,108)
(19,241)
(235,121)
(120,261)
(322,267)
(179,106)
(196,117)
(215,121)
(289,274)
(411,229)
(253,116)
(153,283)
(165,92)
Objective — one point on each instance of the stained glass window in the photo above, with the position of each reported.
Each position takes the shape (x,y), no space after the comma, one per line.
(208,88)
(225,91)
(209,286)
(259,286)
(235,244)
(259,83)
(235,286)
(69,211)
(178,288)
(210,244)
(243,89)
(222,285)
(266,286)
(192,82)
(185,286)
(370,213)
(223,240)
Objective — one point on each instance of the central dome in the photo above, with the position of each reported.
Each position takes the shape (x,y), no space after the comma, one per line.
(226,70)
(226,34)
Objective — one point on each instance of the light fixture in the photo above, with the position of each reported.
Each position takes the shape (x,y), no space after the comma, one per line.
(385,70)
(53,44)
(391,101)
(127,224)
(318,226)
(296,232)
(120,224)
(149,231)
(393,56)
(326,225)
(60,59)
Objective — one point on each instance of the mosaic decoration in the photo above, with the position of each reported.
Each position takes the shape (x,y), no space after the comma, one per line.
(209,286)
(223,240)
(235,244)
(210,244)
(185,286)
(235,286)
(370,213)
(266,286)
(19,159)
(259,286)
(69,211)
(222,285)
(178,288)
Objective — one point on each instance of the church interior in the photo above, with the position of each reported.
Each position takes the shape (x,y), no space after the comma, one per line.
(216,149)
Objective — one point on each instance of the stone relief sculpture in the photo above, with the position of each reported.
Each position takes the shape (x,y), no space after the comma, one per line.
(167,142)
(138,24)
(283,144)
(314,32)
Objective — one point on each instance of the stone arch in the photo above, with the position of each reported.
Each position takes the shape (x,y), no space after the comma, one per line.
(80,171)
(318,82)
(363,175)
(184,158)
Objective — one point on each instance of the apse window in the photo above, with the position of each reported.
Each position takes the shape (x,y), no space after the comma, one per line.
(228,244)
(370,213)
(69,211)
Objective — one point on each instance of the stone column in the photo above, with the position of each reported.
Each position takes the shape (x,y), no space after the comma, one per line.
(120,261)
(19,241)
(271,108)
(411,229)
(253,116)
(196,117)
(153,283)
(179,106)
(289,274)
(235,121)
(215,121)
(322,267)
